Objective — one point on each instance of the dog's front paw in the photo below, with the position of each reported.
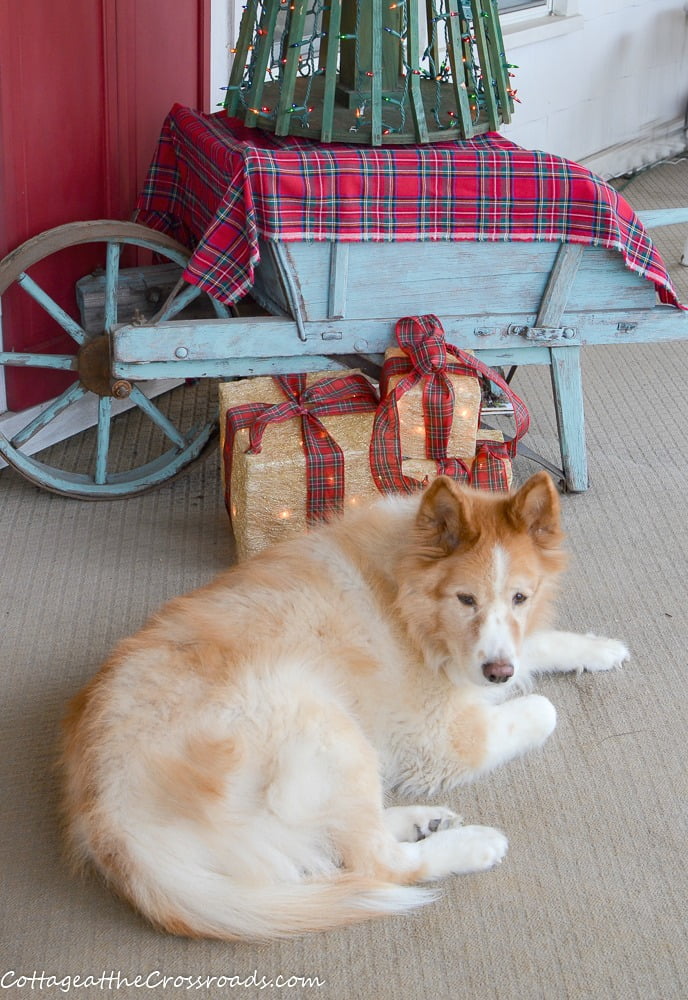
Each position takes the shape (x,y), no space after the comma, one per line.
(465,850)
(536,719)
(603,654)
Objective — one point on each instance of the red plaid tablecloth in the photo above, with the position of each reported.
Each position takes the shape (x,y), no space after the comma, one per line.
(218,186)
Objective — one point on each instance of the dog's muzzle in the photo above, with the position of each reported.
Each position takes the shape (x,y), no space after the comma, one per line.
(498,671)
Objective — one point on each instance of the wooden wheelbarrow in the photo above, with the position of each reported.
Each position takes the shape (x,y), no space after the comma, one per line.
(512,303)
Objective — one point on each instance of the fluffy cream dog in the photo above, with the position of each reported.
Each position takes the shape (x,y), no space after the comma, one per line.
(226,770)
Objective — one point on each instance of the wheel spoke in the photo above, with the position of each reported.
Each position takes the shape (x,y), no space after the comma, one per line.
(52,410)
(52,308)
(179,302)
(221,310)
(174,441)
(111,275)
(103,438)
(158,418)
(14,359)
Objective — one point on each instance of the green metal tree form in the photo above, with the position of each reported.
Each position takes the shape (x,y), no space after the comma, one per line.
(375,72)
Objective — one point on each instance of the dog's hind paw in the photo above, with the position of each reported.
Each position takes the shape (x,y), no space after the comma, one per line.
(603,654)
(413,823)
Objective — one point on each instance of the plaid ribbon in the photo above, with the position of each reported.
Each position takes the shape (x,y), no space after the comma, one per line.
(422,340)
(340,394)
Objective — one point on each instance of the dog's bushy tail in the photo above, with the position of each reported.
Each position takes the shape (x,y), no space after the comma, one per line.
(198,902)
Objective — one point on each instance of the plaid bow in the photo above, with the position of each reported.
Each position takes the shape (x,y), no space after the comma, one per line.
(422,340)
(350,393)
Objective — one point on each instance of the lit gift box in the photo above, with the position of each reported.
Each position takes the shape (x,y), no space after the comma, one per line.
(427,423)
(416,413)
(490,468)
(295,452)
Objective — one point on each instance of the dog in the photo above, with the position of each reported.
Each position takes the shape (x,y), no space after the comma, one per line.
(226,770)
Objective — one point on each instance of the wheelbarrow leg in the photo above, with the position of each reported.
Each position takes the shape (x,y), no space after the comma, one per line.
(567,392)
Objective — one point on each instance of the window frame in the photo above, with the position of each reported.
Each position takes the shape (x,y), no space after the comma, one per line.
(514,6)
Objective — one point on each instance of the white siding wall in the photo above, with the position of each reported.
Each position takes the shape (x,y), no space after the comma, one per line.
(608,86)
(604,83)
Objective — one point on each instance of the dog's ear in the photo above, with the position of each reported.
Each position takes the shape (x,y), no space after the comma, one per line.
(536,508)
(443,520)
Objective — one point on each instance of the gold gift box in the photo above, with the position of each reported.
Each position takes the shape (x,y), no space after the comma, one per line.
(266,497)
(425,469)
(464,429)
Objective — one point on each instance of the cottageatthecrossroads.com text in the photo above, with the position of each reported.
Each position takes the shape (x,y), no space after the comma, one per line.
(155,980)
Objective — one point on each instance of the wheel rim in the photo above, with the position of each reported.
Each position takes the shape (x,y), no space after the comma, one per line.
(170,446)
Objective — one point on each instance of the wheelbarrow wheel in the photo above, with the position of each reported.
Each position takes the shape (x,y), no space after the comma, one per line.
(101,468)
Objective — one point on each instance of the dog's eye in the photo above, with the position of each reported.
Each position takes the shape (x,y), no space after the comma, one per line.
(520,598)
(467,599)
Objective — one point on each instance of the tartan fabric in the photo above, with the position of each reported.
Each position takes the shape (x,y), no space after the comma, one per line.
(350,393)
(489,470)
(217,186)
(422,339)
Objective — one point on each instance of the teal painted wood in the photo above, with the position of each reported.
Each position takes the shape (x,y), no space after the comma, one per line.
(94,384)
(559,285)
(158,418)
(418,277)
(83,486)
(567,384)
(178,346)
(52,308)
(567,392)
(103,440)
(530,303)
(653,219)
(62,362)
(339,280)
(545,302)
(289,282)
(112,256)
(58,405)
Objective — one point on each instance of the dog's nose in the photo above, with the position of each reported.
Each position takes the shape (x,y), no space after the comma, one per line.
(498,671)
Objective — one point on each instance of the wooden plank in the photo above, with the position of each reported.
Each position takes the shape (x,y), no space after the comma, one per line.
(288,280)
(415,95)
(331,26)
(339,278)
(139,290)
(663,217)
(567,392)
(78,417)
(495,44)
(267,336)
(233,96)
(486,69)
(559,284)
(241,367)
(262,56)
(465,119)
(288,71)
(376,69)
(413,277)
